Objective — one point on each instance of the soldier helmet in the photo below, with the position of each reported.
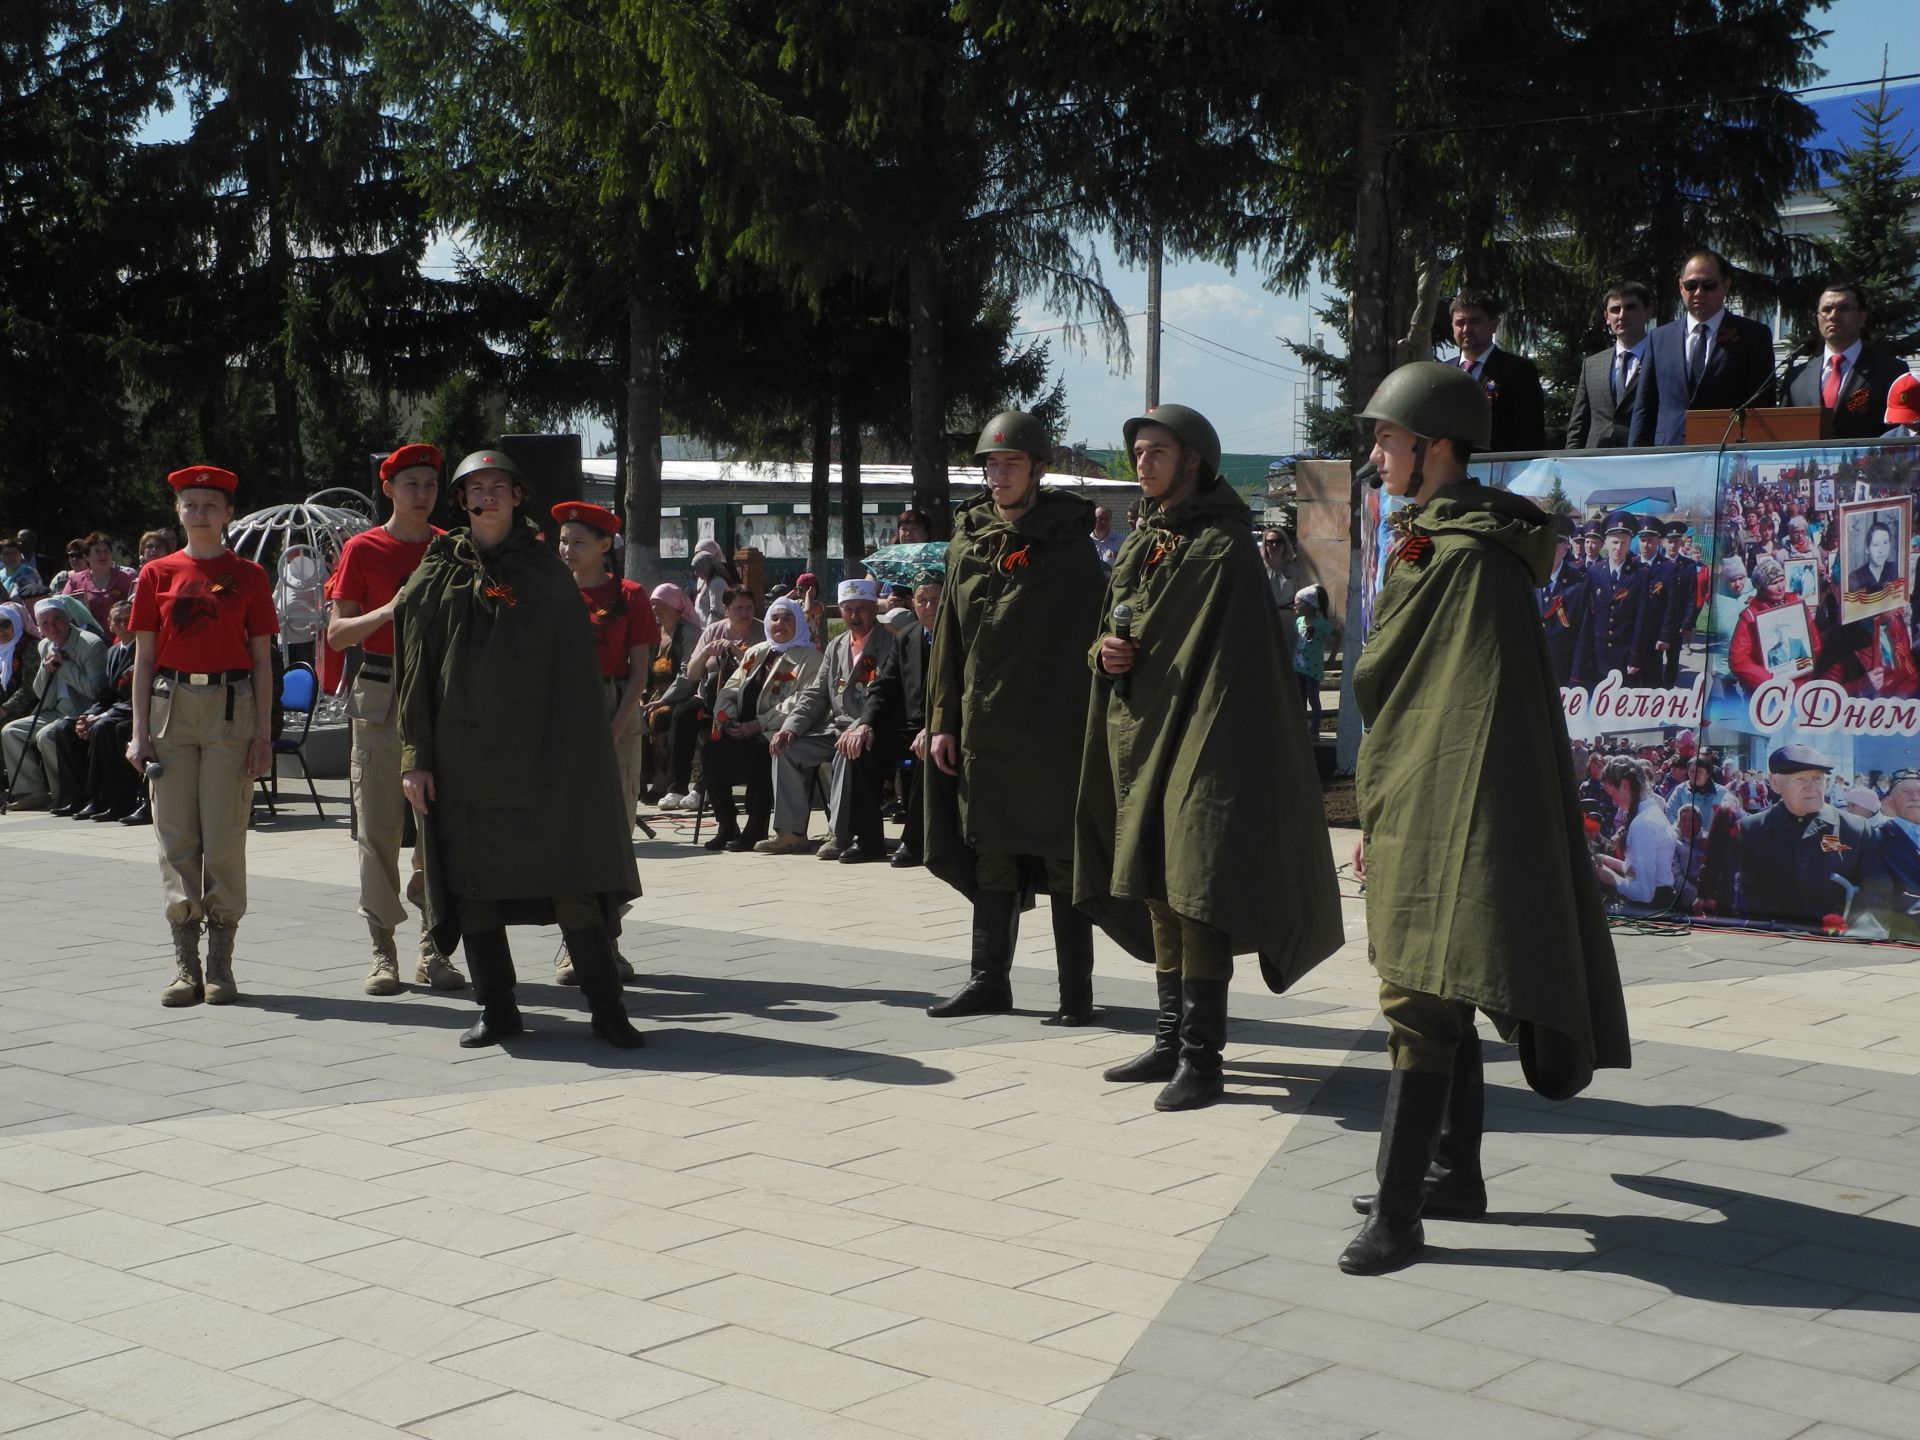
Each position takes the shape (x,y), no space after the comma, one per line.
(1435,402)
(1015,430)
(1195,431)
(487,460)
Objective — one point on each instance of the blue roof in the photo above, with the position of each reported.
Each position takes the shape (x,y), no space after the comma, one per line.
(1841,126)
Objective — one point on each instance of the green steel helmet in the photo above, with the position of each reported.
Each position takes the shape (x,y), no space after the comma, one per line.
(1196,433)
(487,460)
(1434,401)
(1016,430)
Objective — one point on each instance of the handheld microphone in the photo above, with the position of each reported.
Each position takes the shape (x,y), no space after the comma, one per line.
(1775,376)
(1369,473)
(1122,630)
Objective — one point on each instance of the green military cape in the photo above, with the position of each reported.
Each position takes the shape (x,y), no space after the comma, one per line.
(500,699)
(1479,885)
(1008,676)
(1198,789)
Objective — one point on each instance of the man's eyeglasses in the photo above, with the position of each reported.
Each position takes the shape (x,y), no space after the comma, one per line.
(1692,285)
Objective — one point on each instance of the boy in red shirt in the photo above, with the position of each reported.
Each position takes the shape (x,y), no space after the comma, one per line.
(373,566)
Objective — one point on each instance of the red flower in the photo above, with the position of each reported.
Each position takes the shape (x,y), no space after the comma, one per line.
(1834,924)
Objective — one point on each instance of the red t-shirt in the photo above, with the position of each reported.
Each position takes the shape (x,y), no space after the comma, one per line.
(622,621)
(373,566)
(203,613)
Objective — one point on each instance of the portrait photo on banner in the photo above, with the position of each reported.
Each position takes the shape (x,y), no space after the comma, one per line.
(1874,542)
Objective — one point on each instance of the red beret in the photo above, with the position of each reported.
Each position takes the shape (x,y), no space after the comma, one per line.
(407,456)
(206,477)
(581,512)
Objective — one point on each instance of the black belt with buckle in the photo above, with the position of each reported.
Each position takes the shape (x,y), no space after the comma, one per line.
(197,677)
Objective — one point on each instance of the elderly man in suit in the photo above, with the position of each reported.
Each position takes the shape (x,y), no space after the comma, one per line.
(827,723)
(1710,360)
(1512,382)
(72,674)
(1892,888)
(1800,860)
(1850,379)
(1609,379)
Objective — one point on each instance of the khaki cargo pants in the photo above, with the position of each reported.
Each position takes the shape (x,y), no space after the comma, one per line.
(202,798)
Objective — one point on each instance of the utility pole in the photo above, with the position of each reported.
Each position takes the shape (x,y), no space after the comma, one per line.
(1153,321)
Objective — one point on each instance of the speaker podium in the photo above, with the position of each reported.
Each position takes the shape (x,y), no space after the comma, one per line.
(1758,425)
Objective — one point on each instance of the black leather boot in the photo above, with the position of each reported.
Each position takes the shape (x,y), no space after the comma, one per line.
(490,962)
(1409,1131)
(594,962)
(1455,1187)
(1073,957)
(989,990)
(1162,1058)
(1203,1035)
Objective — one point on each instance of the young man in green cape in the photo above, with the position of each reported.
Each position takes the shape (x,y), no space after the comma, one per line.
(1198,794)
(506,756)
(1006,713)
(1479,891)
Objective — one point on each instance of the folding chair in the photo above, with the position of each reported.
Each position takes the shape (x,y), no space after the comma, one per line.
(299,695)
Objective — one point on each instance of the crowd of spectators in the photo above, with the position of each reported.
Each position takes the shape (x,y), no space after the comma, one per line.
(66,674)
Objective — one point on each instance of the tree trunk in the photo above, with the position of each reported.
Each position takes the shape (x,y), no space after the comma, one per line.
(820,490)
(1370,341)
(643,424)
(853,519)
(927,389)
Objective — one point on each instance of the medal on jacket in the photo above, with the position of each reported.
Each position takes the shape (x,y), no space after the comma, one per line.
(1834,845)
(1406,547)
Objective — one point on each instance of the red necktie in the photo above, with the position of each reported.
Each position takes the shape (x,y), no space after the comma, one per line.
(1836,376)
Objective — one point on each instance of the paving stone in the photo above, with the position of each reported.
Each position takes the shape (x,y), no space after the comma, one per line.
(1817,1394)
(163,1393)
(1594,1398)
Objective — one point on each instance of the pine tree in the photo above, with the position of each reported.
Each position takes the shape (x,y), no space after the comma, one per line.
(1877,246)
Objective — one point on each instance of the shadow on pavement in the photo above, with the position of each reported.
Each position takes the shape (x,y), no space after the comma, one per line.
(1852,1254)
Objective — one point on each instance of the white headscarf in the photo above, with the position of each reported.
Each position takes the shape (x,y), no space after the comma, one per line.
(17,614)
(801,635)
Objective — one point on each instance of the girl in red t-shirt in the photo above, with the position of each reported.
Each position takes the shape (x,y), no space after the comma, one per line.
(624,630)
(203,628)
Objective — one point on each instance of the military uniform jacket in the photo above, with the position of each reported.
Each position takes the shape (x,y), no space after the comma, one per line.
(1009,680)
(1563,615)
(498,695)
(1792,866)
(1479,888)
(1197,787)
(1614,637)
(1653,613)
(1683,598)
(836,697)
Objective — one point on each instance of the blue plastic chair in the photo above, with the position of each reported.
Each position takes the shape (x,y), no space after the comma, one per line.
(299,695)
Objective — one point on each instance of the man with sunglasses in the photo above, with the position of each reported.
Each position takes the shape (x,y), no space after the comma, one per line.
(1709,359)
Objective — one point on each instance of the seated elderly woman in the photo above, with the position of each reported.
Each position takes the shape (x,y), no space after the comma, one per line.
(68,678)
(18,638)
(687,701)
(679,638)
(93,779)
(750,707)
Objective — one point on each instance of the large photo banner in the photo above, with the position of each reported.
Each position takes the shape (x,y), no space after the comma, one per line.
(1734,633)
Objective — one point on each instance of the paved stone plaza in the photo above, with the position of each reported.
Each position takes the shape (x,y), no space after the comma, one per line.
(807,1210)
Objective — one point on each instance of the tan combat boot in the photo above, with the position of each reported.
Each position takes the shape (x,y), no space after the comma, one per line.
(186,988)
(563,971)
(384,977)
(220,987)
(435,970)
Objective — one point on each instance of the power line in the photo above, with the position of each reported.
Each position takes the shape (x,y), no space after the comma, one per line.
(1258,359)
(1219,359)
(1070,325)
(1589,115)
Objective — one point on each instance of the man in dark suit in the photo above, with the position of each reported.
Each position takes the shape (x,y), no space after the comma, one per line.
(1603,399)
(1800,860)
(1683,604)
(1616,595)
(898,702)
(1563,602)
(1850,380)
(1512,382)
(1891,892)
(1710,359)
